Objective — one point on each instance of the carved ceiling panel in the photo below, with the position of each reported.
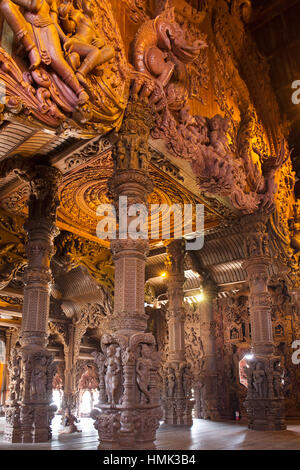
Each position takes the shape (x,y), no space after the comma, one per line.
(85,189)
(194,64)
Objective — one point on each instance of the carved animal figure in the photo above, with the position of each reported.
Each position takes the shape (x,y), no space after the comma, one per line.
(155,44)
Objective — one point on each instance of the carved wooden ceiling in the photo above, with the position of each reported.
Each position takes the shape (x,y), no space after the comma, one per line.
(86,166)
(228,78)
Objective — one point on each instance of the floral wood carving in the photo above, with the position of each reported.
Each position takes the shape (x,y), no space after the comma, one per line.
(74,251)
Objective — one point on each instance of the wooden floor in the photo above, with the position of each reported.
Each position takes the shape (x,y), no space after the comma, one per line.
(204,435)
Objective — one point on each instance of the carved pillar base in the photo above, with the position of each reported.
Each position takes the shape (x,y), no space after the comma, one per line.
(208,407)
(177,401)
(130,415)
(265,403)
(29,412)
(178,411)
(12,432)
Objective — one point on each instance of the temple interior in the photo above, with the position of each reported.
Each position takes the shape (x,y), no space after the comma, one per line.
(149,224)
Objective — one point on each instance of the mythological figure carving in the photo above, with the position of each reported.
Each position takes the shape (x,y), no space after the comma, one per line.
(143,368)
(161,48)
(259,380)
(113,373)
(39,22)
(270,164)
(171,382)
(39,379)
(15,382)
(65,49)
(85,41)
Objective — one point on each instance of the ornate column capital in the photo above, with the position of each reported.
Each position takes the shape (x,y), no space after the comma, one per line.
(175,260)
(43,202)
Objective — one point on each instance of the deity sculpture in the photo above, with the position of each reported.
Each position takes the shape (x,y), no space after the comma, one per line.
(143,370)
(84,42)
(113,373)
(171,383)
(23,33)
(40,34)
(218,135)
(15,376)
(39,379)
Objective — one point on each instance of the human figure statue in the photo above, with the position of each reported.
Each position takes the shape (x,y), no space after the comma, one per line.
(259,378)
(85,42)
(234,334)
(143,368)
(37,28)
(113,373)
(171,383)
(39,379)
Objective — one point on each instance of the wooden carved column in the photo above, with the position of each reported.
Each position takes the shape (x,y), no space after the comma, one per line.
(29,411)
(130,411)
(208,378)
(265,401)
(69,401)
(177,401)
(8,336)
